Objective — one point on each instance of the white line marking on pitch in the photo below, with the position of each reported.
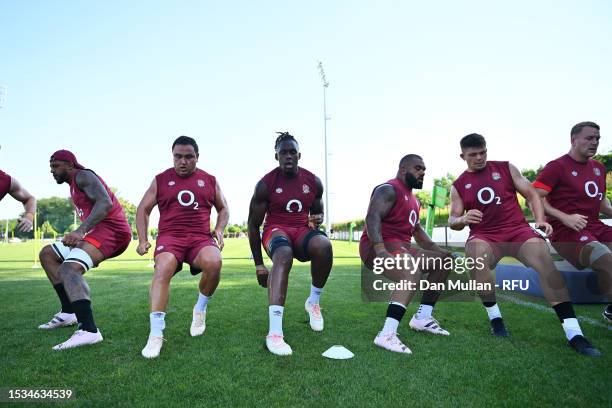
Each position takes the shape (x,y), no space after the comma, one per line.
(550,310)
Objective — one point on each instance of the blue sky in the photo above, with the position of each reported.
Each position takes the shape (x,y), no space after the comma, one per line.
(116,82)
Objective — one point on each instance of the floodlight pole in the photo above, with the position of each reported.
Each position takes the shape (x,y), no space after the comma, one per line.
(325,84)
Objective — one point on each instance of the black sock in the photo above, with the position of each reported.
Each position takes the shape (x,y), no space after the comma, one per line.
(63,297)
(488,304)
(432,303)
(564,311)
(82,308)
(395,311)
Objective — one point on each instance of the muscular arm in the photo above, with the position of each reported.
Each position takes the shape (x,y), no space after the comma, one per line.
(257,212)
(456,218)
(573,221)
(91,185)
(605,207)
(381,203)
(149,200)
(29,204)
(527,190)
(222,210)
(317,204)
(421,237)
(549,209)
(315,218)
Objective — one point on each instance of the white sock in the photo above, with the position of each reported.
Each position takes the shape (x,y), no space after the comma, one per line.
(571,328)
(493,312)
(390,325)
(158,324)
(315,295)
(202,302)
(424,312)
(275,313)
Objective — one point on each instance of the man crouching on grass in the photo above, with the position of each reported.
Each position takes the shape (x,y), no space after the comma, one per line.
(391,222)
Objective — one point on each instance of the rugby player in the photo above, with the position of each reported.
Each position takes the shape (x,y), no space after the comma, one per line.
(391,223)
(185,196)
(573,191)
(9,185)
(290,199)
(484,198)
(104,233)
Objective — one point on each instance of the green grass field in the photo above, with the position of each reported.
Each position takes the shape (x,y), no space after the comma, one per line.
(228,365)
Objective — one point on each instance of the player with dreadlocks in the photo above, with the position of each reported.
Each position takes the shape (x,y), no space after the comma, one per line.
(290,199)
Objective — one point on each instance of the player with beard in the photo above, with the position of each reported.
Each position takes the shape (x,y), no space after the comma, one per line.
(290,199)
(573,190)
(484,198)
(9,185)
(391,223)
(104,233)
(185,196)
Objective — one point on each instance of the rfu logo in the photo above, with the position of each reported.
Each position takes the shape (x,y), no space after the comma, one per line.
(574,173)
(201,183)
(583,238)
(305,188)
(279,190)
(290,206)
(159,248)
(468,186)
(495,175)
(597,172)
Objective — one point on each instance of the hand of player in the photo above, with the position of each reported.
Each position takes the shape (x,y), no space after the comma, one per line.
(218,235)
(72,239)
(447,254)
(25,224)
(472,217)
(143,248)
(315,221)
(262,275)
(381,251)
(545,227)
(576,222)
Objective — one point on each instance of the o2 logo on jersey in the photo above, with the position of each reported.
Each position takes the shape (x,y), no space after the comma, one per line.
(591,189)
(486,195)
(412,218)
(291,202)
(181,195)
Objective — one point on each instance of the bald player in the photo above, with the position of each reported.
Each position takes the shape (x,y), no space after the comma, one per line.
(290,199)
(573,190)
(391,223)
(9,185)
(185,196)
(104,233)
(484,198)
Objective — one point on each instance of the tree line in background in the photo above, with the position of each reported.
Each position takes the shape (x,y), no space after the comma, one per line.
(441,217)
(56,215)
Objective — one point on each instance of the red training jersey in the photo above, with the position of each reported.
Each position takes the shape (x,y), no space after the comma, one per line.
(185,203)
(115,219)
(5,184)
(289,198)
(399,224)
(491,191)
(573,187)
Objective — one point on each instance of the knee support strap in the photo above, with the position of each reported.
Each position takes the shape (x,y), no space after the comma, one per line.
(277,242)
(77,255)
(598,250)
